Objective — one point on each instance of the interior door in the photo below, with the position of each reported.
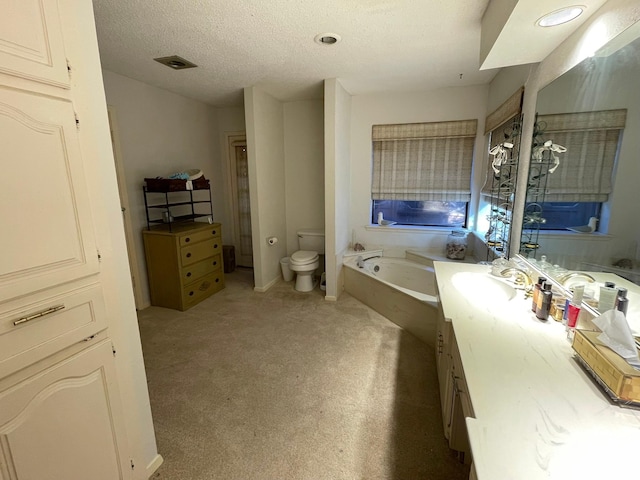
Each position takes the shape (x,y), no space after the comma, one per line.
(241,203)
(124,206)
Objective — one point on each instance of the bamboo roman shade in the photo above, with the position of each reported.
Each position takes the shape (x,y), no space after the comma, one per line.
(592,140)
(505,112)
(423,161)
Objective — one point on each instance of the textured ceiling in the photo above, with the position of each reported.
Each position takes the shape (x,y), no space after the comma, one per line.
(387,45)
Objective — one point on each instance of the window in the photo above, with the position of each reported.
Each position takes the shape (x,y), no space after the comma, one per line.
(560,215)
(422,172)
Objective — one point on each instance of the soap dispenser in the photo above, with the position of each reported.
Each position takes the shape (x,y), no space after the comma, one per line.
(545,297)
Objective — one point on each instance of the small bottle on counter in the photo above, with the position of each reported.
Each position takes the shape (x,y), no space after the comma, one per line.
(623,301)
(608,297)
(536,292)
(545,297)
(574,306)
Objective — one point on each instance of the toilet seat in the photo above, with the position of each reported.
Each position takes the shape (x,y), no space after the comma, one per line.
(303,257)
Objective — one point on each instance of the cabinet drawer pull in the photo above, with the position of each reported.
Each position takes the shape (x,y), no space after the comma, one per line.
(39,314)
(213,232)
(191,293)
(217,280)
(215,245)
(187,240)
(215,262)
(189,255)
(188,274)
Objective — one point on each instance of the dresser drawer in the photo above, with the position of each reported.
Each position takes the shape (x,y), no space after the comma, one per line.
(191,273)
(199,236)
(197,291)
(199,251)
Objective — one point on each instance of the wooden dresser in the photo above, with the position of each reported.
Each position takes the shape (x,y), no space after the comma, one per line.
(184,265)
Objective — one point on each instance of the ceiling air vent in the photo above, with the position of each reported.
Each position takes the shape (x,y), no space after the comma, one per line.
(175,62)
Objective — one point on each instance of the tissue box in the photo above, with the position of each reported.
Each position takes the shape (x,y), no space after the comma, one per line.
(620,377)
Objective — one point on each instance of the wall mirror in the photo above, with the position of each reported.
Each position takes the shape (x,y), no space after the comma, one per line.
(592,111)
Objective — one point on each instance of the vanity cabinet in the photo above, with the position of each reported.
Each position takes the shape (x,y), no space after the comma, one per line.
(184,264)
(454,398)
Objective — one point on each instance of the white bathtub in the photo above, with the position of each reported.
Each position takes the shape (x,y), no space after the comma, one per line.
(403,291)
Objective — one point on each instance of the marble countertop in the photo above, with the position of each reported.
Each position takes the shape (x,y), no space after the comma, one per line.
(537,413)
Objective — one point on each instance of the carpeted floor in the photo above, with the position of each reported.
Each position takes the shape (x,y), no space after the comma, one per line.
(287,386)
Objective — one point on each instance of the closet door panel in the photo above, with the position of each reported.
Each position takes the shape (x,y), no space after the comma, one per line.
(44,204)
(31,43)
(65,422)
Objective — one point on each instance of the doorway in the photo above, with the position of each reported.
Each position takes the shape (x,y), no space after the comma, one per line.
(241,206)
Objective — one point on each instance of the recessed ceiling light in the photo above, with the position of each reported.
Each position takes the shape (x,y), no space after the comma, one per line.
(561,16)
(175,62)
(327,38)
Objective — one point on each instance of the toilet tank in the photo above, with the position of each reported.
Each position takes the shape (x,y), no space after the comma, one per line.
(311,239)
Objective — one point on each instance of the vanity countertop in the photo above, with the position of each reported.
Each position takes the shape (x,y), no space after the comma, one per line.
(538,415)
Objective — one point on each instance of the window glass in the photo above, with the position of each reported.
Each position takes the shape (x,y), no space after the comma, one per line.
(427,213)
(560,215)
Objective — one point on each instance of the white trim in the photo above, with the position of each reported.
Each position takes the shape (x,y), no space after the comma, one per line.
(330,298)
(418,229)
(267,286)
(154,465)
(124,203)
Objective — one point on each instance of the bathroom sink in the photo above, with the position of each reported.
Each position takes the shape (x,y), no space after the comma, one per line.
(482,287)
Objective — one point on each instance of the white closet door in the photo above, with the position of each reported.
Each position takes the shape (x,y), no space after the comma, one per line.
(31,44)
(47,236)
(64,422)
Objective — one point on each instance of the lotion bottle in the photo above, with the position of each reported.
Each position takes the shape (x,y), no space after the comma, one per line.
(574,306)
(623,301)
(607,299)
(545,297)
(536,292)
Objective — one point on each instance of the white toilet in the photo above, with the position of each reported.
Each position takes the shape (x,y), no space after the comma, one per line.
(306,260)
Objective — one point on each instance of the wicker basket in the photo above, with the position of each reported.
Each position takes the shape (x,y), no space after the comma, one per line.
(620,378)
(174,185)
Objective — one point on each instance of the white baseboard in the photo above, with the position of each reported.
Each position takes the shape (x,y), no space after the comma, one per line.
(154,465)
(267,286)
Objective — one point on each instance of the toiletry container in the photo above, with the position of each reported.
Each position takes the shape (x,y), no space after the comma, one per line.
(536,292)
(305,261)
(545,297)
(457,245)
(623,302)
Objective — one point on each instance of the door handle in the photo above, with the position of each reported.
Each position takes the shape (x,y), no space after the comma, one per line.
(38,315)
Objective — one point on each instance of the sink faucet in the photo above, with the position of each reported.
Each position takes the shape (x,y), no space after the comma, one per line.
(563,278)
(522,277)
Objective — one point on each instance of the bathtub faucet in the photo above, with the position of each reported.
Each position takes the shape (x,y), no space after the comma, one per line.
(360,261)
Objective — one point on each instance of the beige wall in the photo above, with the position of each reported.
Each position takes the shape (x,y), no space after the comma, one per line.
(265,147)
(161,133)
(337,165)
(304,167)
